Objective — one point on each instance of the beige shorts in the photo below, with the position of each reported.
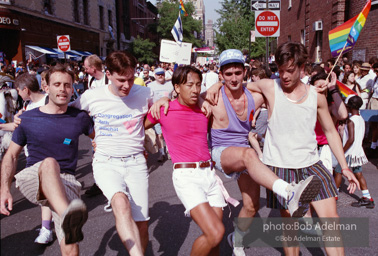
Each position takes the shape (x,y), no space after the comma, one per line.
(373,103)
(27,181)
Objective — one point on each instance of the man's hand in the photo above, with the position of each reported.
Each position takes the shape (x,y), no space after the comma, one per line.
(155,108)
(6,202)
(213,92)
(332,85)
(353,182)
(17,119)
(206,109)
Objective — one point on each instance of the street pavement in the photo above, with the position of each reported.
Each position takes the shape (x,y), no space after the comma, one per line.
(170,232)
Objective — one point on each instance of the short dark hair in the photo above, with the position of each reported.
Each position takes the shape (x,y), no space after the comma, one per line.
(119,61)
(273,67)
(317,69)
(260,73)
(180,75)
(355,102)
(28,81)
(319,76)
(59,68)
(291,51)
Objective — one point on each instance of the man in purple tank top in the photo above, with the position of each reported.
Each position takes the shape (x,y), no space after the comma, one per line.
(230,124)
(290,148)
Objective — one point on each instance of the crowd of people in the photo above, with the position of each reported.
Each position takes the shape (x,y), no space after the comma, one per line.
(223,106)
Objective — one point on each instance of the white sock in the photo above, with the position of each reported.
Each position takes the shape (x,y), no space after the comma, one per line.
(279,187)
(373,145)
(365,193)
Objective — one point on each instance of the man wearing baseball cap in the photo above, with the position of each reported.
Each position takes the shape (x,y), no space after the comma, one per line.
(230,124)
(161,88)
(366,83)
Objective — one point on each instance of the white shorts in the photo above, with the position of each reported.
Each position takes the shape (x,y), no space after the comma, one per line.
(128,175)
(195,186)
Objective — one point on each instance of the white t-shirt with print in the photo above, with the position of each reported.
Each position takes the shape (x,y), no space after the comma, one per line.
(118,120)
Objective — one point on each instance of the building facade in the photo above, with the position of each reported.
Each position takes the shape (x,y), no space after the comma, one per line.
(309,21)
(199,14)
(90,25)
(209,33)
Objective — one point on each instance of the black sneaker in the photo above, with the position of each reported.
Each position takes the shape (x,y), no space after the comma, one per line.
(363,201)
(93,191)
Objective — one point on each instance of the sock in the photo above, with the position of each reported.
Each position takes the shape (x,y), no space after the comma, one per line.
(161,150)
(279,187)
(46,224)
(238,236)
(373,145)
(365,193)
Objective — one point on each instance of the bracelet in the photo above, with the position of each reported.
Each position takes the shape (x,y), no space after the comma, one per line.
(333,91)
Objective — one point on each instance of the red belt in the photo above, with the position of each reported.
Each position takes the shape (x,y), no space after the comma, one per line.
(195,165)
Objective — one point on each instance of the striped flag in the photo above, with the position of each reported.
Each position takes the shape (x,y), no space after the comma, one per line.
(344,90)
(177,31)
(182,8)
(348,32)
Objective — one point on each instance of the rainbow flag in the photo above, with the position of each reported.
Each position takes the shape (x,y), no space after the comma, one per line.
(182,8)
(348,32)
(344,90)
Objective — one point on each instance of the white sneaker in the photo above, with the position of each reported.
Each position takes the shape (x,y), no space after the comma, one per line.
(45,236)
(300,195)
(236,251)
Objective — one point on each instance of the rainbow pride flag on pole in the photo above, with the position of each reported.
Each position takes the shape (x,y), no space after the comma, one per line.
(344,90)
(182,8)
(346,34)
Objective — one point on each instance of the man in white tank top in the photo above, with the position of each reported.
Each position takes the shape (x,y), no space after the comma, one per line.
(290,148)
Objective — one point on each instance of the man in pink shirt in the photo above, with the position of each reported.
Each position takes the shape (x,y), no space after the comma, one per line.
(194,176)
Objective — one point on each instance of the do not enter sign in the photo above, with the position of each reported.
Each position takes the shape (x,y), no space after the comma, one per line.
(267,24)
(64,43)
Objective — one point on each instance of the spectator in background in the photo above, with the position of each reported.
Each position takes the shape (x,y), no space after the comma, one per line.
(347,67)
(373,104)
(273,67)
(357,71)
(305,75)
(350,81)
(366,83)
(210,77)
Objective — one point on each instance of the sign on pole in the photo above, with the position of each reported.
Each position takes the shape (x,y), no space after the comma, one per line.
(170,52)
(64,44)
(260,5)
(253,36)
(267,23)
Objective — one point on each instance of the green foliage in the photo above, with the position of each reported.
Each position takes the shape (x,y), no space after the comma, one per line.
(142,50)
(233,26)
(168,11)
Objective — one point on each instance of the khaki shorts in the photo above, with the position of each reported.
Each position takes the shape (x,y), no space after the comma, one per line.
(27,181)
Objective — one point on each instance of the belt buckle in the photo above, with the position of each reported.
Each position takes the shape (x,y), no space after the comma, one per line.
(200,163)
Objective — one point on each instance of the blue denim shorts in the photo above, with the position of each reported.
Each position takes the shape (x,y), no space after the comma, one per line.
(216,153)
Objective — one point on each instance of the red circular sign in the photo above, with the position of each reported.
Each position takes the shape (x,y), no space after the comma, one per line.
(64,43)
(267,23)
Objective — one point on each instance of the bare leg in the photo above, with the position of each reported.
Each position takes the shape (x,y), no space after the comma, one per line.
(289,251)
(237,159)
(46,213)
(361,180)
(210,221)
(160,141)
(338,179)
(126,227)
(143,232)
(53,190)
(327,209)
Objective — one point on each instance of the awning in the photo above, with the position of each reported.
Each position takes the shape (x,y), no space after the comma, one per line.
(81,53)
(34,50)
(69,55)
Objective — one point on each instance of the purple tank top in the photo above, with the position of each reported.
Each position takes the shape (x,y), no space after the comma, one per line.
(236,134)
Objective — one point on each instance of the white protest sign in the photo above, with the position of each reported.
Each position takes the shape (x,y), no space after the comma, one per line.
(170,52)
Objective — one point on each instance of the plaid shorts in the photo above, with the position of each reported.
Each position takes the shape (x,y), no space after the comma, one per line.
(27,181)
(327,190)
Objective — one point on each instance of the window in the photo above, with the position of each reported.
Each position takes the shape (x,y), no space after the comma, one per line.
(303,37)
(289,38)
(76,11)
(85,12)
(110,18)
(47,7)
(101,10)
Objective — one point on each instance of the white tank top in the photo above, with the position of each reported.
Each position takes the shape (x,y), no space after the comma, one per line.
(290,140)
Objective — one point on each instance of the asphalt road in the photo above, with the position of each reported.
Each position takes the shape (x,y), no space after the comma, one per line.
(170,232)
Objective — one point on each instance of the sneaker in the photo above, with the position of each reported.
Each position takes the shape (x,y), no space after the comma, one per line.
(236,251)
(300,195)
(93,191)
(363,201)
(73,220)
(45,236)
(161,158)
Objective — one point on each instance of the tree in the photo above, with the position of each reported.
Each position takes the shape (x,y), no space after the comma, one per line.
(141,49)
(168,11)
(233,26)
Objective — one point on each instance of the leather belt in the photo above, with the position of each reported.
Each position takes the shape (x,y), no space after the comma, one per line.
(195,165)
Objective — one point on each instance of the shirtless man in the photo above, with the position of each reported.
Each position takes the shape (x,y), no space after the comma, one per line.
(292,111)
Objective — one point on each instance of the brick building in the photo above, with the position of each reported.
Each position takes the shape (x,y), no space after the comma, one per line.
(309,21)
